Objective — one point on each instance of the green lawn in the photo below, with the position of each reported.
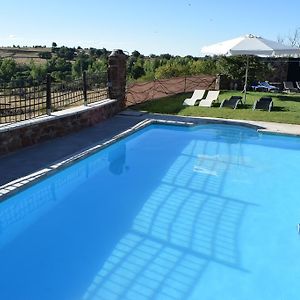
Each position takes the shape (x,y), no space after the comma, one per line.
(286,107)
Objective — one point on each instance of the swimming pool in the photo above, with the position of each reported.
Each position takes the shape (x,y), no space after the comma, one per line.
(170,212)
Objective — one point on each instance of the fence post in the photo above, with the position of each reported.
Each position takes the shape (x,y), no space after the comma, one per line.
(48,95)
(84,87)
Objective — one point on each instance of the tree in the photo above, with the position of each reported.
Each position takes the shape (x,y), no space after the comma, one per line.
(81,64)
(8,69)
(172,69)
(136,54)
(234,67)
(45,55)
(38,71)
(54,47)
(66,53)
(294,38)
(166,56)
(98,66)
(203,66)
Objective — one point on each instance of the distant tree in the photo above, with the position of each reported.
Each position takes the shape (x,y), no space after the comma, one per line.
(136,54)
(166,56)
(98,66)
(203,66)
(137,71)
(102,53)
(45,55)
(81,64)
(234,67)
(77,68)
(59,68)
(93,51)
(172,69)
(66,53)
(54,47)
(294,38)
(8,68)
(38,71)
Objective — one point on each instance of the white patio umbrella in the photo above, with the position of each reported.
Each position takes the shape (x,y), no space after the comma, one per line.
(250,45)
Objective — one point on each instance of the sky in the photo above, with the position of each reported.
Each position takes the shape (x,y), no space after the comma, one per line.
(178,27)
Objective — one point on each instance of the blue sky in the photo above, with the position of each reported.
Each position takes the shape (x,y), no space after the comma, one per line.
(179,27)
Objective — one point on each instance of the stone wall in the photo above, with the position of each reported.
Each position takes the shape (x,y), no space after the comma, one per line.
(30,132)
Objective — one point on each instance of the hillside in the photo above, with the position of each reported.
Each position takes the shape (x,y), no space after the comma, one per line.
(23,54)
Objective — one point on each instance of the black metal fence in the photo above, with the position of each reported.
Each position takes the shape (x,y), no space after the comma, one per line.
(26,100)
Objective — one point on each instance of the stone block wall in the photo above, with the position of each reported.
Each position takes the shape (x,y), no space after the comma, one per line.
(59,124)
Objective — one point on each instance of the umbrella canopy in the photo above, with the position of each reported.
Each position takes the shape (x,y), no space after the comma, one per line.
(250,45)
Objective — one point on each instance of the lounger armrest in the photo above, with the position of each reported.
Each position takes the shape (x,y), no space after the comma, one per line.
(222,103)
(254,105)
(185,103)
(237,103)
(270,106)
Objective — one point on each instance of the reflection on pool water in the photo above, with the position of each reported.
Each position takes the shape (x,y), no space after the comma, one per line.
(168,213)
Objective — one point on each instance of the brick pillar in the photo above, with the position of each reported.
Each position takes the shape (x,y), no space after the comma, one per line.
(117,76)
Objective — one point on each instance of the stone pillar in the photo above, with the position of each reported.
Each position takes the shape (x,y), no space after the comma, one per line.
(117,76)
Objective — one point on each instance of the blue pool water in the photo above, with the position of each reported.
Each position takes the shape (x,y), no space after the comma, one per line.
(168,213)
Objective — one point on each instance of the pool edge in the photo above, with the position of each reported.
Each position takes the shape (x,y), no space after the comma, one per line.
(9,189)
(13,187)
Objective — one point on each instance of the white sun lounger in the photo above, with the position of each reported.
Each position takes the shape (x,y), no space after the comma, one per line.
(210,98)
(197,96)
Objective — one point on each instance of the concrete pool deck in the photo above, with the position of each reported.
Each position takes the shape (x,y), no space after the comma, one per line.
(28,164)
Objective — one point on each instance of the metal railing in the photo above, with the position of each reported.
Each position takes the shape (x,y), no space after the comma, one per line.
(23,101)
(26,100)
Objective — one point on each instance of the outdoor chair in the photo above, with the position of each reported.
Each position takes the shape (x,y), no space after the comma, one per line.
(232,102)
(288,86)
(197,96)
(211,97)
(265,103)
(298,85)
(268,87)
(264,86)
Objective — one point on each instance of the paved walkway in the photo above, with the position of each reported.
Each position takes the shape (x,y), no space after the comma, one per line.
(29,160)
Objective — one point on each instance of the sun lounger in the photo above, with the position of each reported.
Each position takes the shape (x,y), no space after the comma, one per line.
(268,87)
(298,85)
(288,86)
(265,103)
(264,86)
(197,96)
(211,97)
(232,102)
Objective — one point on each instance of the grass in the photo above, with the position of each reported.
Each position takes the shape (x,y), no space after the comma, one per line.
(286,107)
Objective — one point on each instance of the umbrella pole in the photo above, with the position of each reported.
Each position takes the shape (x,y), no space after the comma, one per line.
(246,79)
